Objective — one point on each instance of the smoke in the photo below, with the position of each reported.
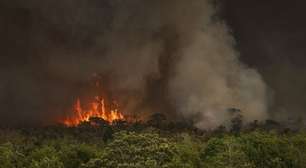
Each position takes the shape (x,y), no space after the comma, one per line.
(163,56)
(274,44)
(210,79)
(191,56)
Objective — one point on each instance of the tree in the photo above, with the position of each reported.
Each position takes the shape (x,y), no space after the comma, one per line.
(225,152)
(93,163)
(97,127)
(157,120)
(188,153)
(219,131)
(6,155)
(10,157)
(236,120)
(131,150)
(298,141)
(272,125)
(73,156)
(46,157)
(120,124)
(269,150)
(253,126)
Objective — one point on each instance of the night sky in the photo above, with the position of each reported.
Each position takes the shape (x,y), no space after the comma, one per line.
(270,35)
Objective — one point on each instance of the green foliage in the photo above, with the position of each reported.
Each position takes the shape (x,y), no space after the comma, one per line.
(299,143)
(225,152)
(6,155)
(149,148)
(46,157)
(73,156)
(9,157)
(131,150)
(256,149)
(93,163)
(188,152)
(269,150)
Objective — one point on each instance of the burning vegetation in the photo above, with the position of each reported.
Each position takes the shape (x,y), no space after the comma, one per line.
(97,109)
(101,106)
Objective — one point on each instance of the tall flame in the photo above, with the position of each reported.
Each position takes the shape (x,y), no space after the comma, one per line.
(97,108)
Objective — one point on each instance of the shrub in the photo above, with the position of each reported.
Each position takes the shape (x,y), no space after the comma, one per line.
(269,150)
(138,151)
(73,156)
(188,153)
(225,152)
(45,157)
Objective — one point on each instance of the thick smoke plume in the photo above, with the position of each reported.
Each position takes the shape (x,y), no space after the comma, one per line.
(162,56)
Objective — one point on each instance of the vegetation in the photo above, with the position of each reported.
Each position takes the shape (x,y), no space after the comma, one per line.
(151,145)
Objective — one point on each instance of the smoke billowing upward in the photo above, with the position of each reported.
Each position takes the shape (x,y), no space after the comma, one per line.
(271,37)
(170,56)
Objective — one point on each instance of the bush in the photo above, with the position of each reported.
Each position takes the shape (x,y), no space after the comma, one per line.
(10,157)
(73,156)
(149,149)
(138,150)
(225,152)
(93,163)
(6,155)
(45,157)
(188,153)
(299,143)
(269,150)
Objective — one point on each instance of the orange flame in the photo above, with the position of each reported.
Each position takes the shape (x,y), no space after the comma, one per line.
(97,108)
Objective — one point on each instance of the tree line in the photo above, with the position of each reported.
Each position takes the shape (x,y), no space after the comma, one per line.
(158,143)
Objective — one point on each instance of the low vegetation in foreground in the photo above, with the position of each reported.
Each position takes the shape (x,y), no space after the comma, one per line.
(152,145)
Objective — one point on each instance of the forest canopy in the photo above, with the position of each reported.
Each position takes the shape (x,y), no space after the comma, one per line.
(152,145)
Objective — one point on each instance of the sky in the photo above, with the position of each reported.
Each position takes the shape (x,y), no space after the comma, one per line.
(271,37)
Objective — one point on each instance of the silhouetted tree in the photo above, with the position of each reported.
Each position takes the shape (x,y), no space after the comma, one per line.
(220,130)
(236,120)
(272,125)
(120,124)
(157,120)
(252,126)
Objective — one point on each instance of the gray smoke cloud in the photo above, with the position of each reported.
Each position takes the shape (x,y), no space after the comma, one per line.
(210,79)
(203,76)
(170,56)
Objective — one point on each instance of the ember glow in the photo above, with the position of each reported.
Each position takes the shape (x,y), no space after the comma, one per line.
(98,108)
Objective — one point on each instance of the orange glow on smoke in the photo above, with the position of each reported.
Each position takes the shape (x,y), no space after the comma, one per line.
(96,108)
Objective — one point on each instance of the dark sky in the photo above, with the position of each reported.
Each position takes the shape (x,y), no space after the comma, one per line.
(270,34)
(271,37)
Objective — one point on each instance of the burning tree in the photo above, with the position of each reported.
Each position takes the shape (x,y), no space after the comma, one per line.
(102,106)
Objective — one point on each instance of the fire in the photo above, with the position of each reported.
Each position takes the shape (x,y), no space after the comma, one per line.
(97,108)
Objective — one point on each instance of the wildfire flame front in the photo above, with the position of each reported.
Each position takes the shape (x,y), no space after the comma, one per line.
(97,108)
